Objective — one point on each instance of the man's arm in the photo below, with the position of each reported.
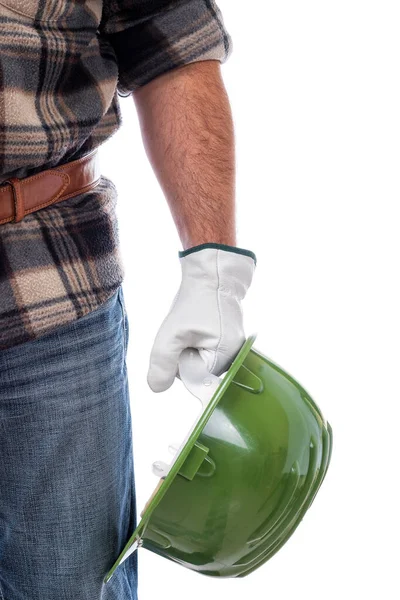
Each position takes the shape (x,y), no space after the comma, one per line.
(188,134)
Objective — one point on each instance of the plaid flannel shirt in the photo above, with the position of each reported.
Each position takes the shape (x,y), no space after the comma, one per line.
(63,64)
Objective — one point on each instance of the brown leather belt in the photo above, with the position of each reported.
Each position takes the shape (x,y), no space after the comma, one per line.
(19,197)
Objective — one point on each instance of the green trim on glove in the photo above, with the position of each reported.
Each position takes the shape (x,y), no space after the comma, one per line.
(235,249)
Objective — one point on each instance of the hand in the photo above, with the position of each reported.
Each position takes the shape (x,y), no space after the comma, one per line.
(206,313)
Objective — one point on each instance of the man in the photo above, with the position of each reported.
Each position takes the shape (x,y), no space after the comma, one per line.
(67,493)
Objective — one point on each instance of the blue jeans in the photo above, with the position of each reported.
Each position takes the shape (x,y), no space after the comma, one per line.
(67,490)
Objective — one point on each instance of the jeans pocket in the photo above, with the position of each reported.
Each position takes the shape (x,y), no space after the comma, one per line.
(121,301)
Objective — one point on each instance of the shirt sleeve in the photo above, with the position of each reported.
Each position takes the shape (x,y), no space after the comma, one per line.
(151,37)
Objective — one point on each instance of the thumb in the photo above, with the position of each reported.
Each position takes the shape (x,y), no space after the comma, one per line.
(163,366)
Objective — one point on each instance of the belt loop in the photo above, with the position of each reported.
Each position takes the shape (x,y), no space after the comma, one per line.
(19,209)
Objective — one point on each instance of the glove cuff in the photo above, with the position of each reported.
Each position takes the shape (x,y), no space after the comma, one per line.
(235,249)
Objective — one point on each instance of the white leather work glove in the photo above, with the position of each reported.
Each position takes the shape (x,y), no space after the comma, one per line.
(206,313)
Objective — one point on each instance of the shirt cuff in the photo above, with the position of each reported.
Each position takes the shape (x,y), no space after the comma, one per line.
(149,42)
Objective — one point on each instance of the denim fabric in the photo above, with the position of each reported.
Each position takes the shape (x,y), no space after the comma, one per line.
(67,490)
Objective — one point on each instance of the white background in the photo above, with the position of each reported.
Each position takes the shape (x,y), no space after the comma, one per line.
(314,88)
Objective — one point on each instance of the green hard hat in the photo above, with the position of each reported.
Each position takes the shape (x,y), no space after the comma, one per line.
(245,475)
